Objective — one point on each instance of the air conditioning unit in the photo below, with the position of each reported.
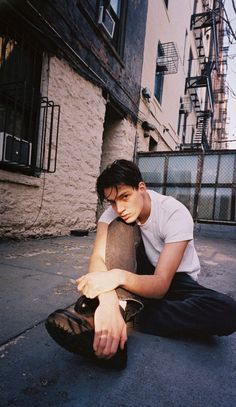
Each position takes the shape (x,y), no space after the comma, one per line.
(14,150)
(105,19)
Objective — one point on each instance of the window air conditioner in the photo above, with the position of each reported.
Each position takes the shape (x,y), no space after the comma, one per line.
(14,150)
(105,19)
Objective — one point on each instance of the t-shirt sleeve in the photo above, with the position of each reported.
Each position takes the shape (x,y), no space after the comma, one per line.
(108,215)
(178,224)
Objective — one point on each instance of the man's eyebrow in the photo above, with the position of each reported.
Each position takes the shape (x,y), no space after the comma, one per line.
(123,193)
(117,196)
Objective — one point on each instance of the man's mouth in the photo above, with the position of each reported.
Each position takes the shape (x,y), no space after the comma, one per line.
(125,217)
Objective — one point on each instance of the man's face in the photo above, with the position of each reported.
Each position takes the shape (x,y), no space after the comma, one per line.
(127,201)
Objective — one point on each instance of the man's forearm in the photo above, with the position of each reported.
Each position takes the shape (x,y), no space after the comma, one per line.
(144,285)
(97,264)
(157,285)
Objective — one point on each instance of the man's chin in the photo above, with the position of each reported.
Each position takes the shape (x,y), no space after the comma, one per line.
(129,220)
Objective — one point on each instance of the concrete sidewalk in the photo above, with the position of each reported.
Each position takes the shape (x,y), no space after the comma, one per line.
(35,371)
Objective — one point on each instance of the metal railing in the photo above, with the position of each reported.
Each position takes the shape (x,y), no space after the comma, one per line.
(48,136)
(205,182)
(29,123)
(29,126)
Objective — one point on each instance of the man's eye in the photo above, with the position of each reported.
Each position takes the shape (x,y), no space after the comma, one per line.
(125,197)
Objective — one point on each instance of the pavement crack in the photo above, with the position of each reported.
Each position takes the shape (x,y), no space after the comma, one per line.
(37,270)
(21,335)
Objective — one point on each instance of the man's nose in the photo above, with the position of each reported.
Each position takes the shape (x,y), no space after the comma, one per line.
(119,207)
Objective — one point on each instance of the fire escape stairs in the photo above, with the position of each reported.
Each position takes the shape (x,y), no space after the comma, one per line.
(199,46)
(206,21)
(201,81)
(200,136)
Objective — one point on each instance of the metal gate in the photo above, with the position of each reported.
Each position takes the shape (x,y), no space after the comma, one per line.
(205,182)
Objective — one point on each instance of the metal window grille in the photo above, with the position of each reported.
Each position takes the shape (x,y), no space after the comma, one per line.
(28,138)
(48,136)
(167,59)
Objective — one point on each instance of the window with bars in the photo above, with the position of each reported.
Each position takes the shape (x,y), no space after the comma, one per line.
(28,123)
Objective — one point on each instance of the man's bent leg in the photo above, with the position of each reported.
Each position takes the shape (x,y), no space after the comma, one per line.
(122,245)
(74,329)
(188,309)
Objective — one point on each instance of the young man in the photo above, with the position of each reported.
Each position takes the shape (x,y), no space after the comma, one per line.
(143,267)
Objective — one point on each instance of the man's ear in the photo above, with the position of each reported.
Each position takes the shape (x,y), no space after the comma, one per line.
(142,187)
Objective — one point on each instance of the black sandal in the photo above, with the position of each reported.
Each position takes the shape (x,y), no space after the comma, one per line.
(74,331)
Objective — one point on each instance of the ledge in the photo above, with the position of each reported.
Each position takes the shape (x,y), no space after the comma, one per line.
(16,178)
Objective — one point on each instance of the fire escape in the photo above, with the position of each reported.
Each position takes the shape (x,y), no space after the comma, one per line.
(167,60)
(220,98)
(202,80)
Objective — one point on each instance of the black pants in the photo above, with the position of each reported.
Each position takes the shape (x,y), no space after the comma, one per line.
(188,308)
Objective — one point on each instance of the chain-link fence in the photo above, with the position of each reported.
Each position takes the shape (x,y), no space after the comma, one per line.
(205,182)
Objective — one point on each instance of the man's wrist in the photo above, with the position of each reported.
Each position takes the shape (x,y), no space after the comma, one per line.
(109,297)
(121,277)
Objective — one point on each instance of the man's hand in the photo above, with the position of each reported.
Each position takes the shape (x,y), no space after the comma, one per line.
(96,283)
(110,331)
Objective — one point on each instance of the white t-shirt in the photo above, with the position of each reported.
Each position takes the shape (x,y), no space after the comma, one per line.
(169,221)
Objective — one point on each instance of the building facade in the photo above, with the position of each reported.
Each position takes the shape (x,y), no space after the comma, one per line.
(69,93)
(184,98)
(85,82)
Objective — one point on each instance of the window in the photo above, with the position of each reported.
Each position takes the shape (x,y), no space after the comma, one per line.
(195,4)
(166,3)
(184,135)
(115,5)
(152,144)
(190,63)
(25,133)
(180,117)
(185,42)
(112,15)
(159,79)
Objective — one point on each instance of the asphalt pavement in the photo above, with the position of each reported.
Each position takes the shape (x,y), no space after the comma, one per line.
(162,372)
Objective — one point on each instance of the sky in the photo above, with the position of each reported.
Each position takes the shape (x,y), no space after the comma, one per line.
(231,79)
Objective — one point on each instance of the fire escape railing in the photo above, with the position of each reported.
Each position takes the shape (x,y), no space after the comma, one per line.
(207,20)
(167,61)
(199,83)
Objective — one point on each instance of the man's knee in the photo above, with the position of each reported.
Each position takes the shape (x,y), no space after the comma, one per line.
(226,319)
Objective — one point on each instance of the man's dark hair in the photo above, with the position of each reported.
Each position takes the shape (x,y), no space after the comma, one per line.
(118,173)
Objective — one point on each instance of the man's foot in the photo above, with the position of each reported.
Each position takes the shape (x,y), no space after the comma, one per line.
(75,333)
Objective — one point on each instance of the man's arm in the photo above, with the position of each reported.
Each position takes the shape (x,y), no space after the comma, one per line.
(110,328)
(155,286)
(97,258)
(97,261)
